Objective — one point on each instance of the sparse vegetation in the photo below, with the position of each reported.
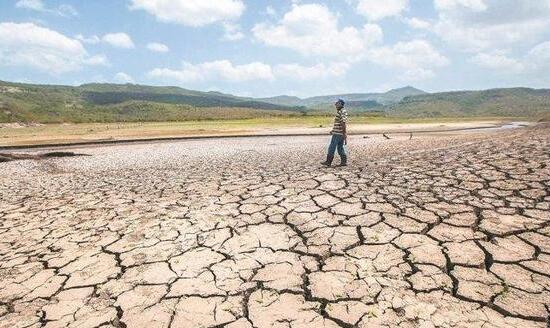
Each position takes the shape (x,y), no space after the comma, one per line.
(103,103)
(125,103)
(496,102)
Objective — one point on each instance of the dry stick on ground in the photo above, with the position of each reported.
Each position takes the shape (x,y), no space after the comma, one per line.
(6,157)
(385,136)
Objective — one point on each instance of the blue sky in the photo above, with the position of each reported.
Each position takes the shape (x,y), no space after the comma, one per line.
(266,48)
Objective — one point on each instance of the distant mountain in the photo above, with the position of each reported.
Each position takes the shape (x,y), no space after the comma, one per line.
(518,102)
(100,102)
(401,93)
(386,98)
(284,100)
(108,94)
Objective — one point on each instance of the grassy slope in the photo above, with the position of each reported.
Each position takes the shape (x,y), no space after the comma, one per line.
(520,102)
(110,103)
(135,103)
(325,102)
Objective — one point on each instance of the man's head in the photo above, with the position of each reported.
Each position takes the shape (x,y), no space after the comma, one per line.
(339,104)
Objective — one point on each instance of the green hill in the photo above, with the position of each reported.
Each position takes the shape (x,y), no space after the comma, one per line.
(518,102)
(128,102)
(320,102)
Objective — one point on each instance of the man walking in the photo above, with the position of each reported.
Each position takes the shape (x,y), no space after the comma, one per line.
(339,135)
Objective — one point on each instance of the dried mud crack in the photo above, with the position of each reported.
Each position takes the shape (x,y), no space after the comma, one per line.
(437,231)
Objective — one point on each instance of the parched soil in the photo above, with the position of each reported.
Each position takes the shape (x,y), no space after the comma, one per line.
(437,231)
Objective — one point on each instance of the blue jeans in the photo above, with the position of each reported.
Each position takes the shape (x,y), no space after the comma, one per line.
(337,142)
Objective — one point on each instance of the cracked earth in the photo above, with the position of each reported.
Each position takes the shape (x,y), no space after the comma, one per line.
(437,231)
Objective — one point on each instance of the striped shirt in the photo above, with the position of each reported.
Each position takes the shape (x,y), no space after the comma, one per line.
(340,120)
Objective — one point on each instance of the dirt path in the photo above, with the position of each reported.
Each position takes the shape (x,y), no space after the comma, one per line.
(437,231)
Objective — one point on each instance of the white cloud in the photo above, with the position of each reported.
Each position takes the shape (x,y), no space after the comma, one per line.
(64,10)
(31,4)
(123,78)
(480,25)
(27,44)
(417,59)
(475,5)
(97,60)
(408,54)
(318,71)
(269,11)
(191,12)
(378,9)
(416,74)
(119,40)
(372,34)
(232,32)
(224,70)
(158,47)
(540,55)
(497,61)
(91,40)
(67,10)
(418,23)
(215,70)
(312,29)
(474,38)
(535,63)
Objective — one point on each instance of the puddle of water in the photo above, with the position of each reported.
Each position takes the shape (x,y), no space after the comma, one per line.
(515,125)
(511,125)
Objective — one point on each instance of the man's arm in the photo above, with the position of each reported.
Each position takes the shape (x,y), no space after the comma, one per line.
(344,124)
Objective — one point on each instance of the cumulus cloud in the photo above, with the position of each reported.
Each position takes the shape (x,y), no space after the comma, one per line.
(475,5)
(417,74)
(418,23)
(157,47)
(497,61)
(118,40)
(37,5)
(232,32)
(191,12)
(27,44)
(270,11)
(378,9)
(311,29)
(123,78)
(215,70)
(537,61)
(534,63)
(97,60)
(416,59)
(539,55)
(91,40)
(318,71)
(67,10)
(225,70)
(480,25)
